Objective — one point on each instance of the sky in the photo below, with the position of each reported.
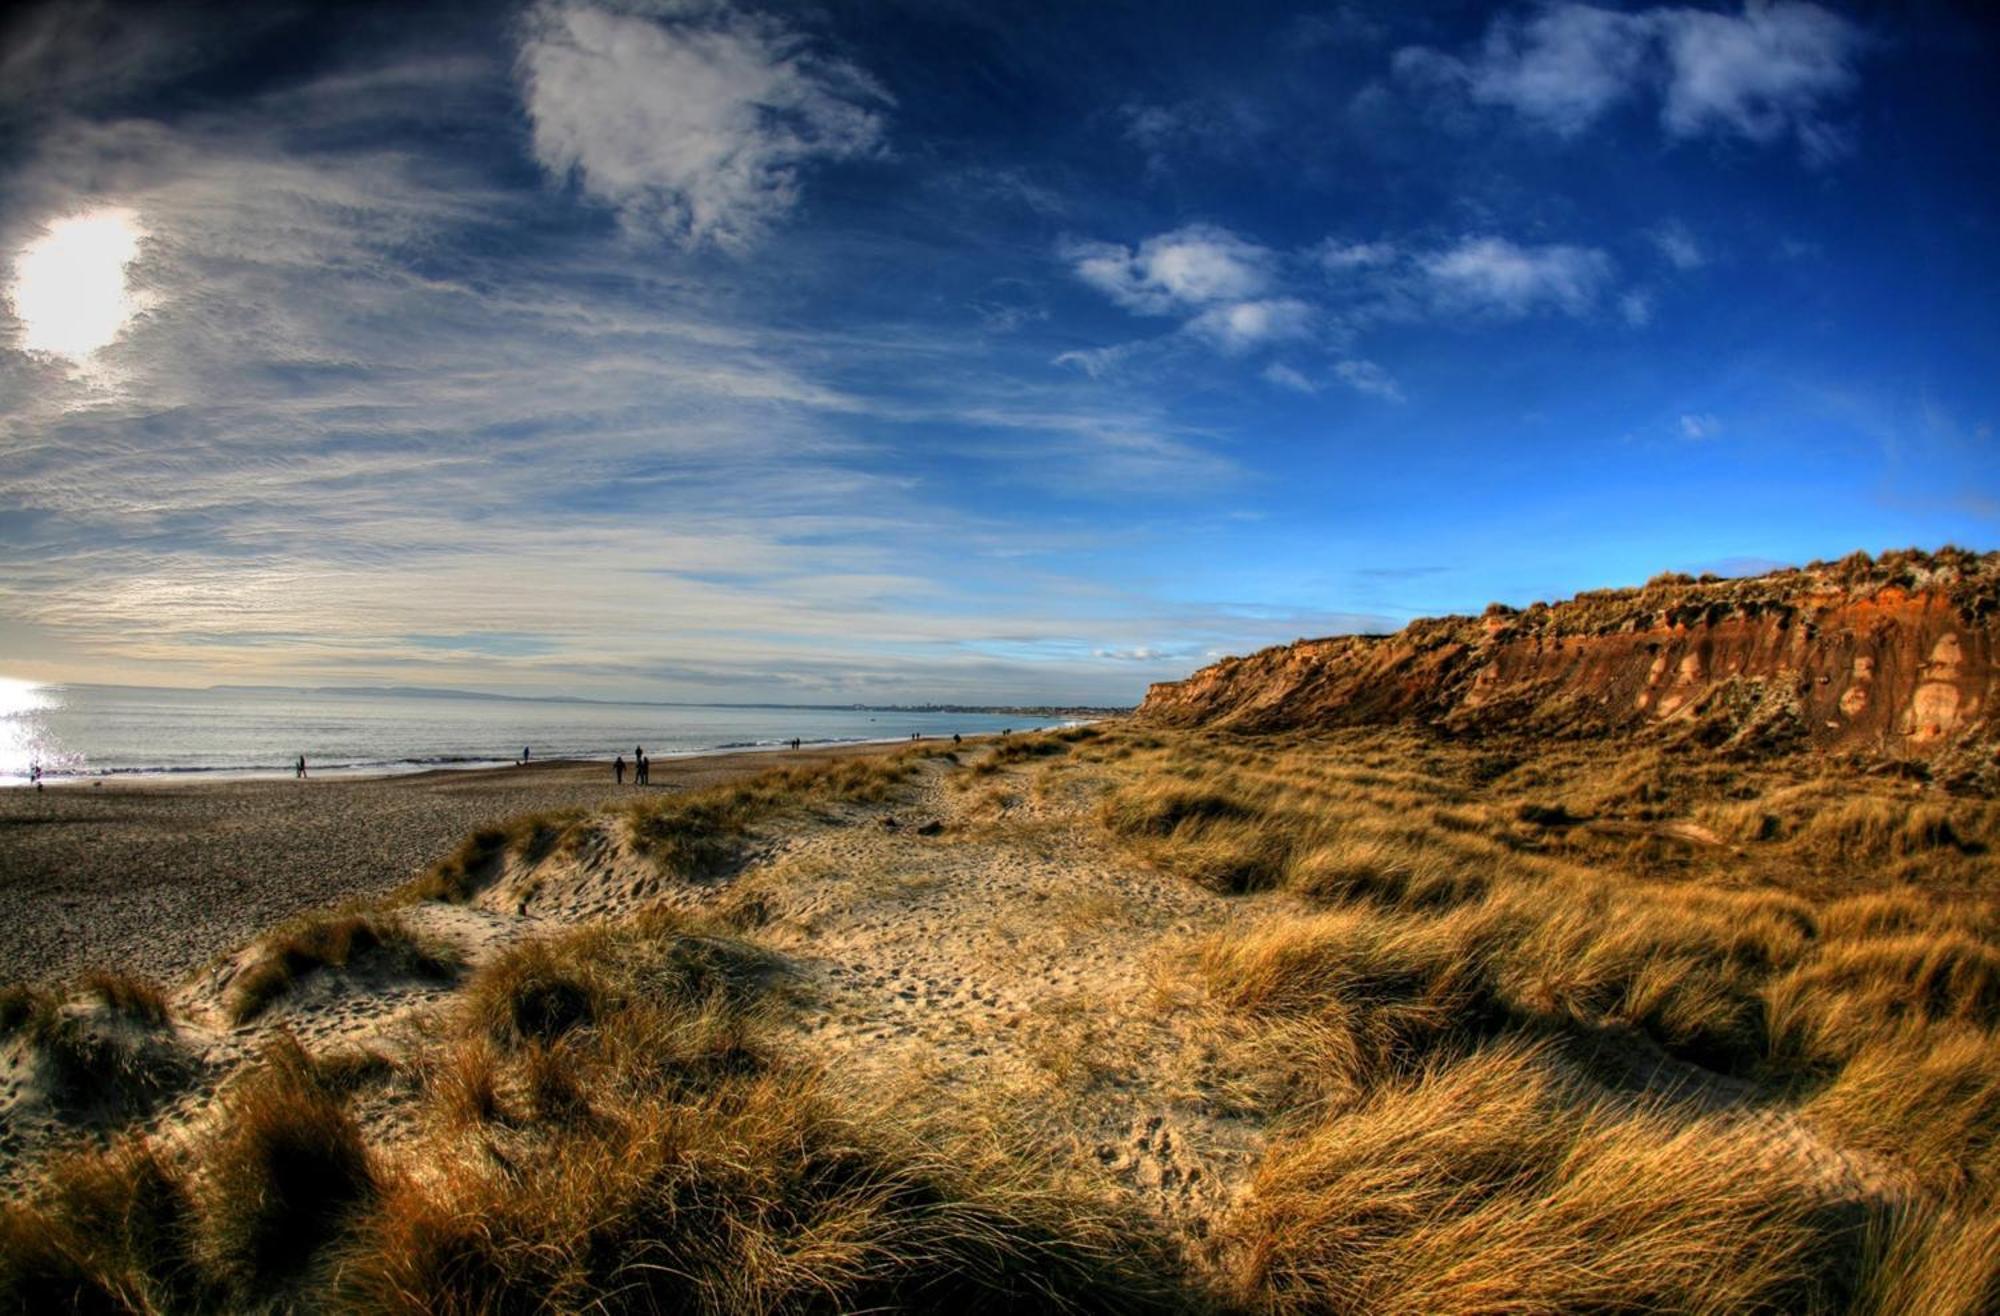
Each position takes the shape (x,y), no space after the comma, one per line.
(909,350)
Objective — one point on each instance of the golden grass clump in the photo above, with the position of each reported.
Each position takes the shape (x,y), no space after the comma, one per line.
(1938,1260)
(324,941)
(479,858)
(1494,1183)
(110,1231)
(105,1047)
(1927,1101)
(287,1173)
(538,992)
(1216,837)
(1852,992)
(757,1194)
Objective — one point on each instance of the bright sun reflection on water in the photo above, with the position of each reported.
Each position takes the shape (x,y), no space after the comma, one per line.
(24,734)
(69,287)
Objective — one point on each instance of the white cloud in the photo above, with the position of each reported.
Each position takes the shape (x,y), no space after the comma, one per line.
(1187,269)
(1678,246)
(1563,67)
(1337,255)
(1762,75)
(1367,377)
(1493,276)
(1285,376)
(1696,427)
(1238,327)
(1637,308)
(1097,362)
(696,125)
(1360,375)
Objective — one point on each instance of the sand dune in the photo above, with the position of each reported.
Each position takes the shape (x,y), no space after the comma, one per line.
(1288,1020)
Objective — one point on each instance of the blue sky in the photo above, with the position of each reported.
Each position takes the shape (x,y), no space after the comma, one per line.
(904,351)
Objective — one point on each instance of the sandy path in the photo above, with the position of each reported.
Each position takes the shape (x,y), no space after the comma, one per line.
(1005,964)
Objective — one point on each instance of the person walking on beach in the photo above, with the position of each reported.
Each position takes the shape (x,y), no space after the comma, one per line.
(35,774)
(524,756)
(300,773)
(618,770)
(645,771)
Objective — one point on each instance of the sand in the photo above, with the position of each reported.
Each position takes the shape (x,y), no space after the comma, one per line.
(159,877)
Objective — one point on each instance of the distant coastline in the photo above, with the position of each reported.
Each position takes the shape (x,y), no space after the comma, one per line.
(422,692)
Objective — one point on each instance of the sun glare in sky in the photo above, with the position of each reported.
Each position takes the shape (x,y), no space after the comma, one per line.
(69,284)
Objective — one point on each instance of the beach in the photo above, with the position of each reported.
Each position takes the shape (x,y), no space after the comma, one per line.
(158,876)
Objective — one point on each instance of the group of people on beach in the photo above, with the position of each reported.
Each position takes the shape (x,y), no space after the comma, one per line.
(642,768)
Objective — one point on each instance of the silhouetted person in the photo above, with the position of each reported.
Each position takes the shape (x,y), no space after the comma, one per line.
(35,774)
(301,768)
(645,771)
(524,754)
(618,770)
(957,739)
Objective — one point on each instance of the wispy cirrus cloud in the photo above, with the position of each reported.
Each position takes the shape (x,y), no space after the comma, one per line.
(376,403)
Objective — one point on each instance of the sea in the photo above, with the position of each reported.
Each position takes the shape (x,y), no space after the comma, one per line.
(100,731)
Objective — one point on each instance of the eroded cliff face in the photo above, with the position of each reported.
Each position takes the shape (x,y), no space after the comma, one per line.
(1896,656)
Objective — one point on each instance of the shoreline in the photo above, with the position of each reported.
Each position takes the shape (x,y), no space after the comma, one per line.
(415,768)
(159,876)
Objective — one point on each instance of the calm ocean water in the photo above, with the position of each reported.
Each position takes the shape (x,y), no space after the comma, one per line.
(82,731)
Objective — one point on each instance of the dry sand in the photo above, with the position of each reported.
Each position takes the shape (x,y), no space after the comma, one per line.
(159,877)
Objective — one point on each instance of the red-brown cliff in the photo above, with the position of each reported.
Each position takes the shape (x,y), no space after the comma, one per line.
(1896,656)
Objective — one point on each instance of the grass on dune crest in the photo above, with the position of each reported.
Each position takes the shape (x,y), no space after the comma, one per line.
(689,835)
(342,939)
(103,1044)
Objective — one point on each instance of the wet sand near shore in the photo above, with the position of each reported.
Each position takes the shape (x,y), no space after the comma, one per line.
(159,877)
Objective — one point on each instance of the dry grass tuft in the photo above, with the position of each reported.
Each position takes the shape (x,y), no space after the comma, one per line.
(288,1172)
(1941,1261)
(110,1231)
(1495,1184)
(138,999)
(338,940)
(108,1052)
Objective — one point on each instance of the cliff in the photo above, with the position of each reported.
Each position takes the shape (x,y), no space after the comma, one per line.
(1893,656)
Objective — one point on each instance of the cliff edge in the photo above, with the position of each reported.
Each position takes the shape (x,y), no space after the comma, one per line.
(1893,656)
